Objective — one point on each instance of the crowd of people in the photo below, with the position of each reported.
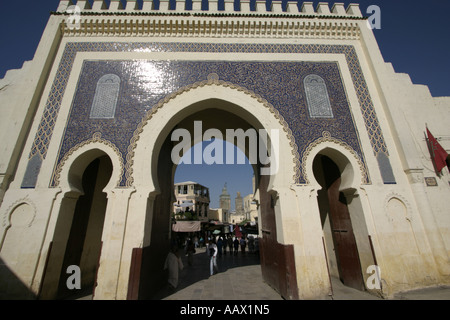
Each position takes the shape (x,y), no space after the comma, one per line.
(216,247)
(232,244)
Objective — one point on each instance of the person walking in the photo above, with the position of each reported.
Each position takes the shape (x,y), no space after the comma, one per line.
(251,244)
(243,244)
(190,250)
(230,244)
(220,246)
(225,245)
(257,245)
(211,249)
(236,246)
(196,241)
(174,264)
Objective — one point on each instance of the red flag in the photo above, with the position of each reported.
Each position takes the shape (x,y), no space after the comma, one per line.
(438,154)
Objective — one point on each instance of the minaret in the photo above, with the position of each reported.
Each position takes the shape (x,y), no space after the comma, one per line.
(239,204)
(225,202)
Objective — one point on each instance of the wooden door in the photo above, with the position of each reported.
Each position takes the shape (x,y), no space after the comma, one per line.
(341,227)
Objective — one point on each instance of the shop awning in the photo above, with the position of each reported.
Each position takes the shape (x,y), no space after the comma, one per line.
(186,226)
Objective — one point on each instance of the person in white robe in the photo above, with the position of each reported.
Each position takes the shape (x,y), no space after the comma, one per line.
(174,265)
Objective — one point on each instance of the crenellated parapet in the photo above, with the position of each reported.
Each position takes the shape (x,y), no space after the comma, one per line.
(208,19)
(213,6)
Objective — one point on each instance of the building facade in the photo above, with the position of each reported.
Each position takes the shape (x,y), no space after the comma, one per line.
(192,197)
(215,214)
(86,169)
(250,208)
(236,218)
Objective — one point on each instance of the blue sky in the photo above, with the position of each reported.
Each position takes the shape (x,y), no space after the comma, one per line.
(414,37)
(238,177)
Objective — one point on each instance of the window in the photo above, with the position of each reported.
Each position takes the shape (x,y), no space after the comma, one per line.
(317,97)
(105,99)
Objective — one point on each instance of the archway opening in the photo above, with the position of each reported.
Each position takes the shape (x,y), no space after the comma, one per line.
(343,255)
(78,232)
(219,116)
(215,203)
(217,193)
(165,205)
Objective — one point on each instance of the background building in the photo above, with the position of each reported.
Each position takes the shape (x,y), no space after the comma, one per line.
(193,198)
(250,208)
(236,218)
(215,214)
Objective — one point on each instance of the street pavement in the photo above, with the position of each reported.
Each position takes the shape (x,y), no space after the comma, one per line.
(239,277)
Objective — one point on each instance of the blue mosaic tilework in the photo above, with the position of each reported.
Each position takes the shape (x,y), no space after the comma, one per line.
(294,116)
(145,83)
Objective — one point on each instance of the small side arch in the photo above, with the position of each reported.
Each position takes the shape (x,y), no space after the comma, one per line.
(87,176)
(70,170)
(395,196)
(6,220)
(353,170)
(338,174)
(23,207)
(19,250)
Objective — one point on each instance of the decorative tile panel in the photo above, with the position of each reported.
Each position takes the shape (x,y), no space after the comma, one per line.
(105,99)
(317,97)
(145,83)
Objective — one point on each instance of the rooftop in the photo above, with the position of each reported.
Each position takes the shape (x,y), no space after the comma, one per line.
(189,183)
(132,7)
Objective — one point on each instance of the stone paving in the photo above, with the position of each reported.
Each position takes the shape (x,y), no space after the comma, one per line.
(239,277)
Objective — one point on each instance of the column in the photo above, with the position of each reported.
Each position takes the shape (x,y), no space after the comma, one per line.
(311,263)
(137,235)
(113,242)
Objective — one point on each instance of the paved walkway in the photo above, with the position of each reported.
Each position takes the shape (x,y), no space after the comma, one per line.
(239,278)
